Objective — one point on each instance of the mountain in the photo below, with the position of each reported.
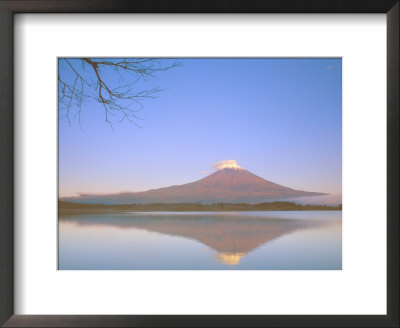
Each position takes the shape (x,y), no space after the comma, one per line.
(228,185)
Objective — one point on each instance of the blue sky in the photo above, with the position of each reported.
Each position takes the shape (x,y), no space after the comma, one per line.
(279,118)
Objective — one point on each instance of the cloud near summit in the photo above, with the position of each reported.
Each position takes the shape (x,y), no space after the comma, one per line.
(229,163)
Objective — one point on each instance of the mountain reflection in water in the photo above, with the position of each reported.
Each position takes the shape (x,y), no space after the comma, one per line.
(231,235)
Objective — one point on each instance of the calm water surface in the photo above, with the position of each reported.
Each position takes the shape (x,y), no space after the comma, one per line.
(202,240)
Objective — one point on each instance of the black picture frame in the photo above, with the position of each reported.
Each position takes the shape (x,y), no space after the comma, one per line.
(10,7)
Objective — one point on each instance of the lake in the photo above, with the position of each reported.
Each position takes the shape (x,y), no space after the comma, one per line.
(268,240)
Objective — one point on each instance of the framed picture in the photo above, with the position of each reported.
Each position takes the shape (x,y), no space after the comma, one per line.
(199,164)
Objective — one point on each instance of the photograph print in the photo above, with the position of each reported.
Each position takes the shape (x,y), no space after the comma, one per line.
(199,163)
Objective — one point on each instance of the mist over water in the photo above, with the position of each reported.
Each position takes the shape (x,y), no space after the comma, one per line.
(304,240)
(331,199)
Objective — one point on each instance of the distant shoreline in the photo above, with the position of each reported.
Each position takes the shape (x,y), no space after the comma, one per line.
(77,208)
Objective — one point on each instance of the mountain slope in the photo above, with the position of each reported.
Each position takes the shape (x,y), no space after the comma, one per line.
(229,185)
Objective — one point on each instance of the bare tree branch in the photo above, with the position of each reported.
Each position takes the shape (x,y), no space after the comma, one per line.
(116,83)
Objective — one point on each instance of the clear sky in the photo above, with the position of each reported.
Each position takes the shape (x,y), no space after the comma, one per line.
(281,119)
